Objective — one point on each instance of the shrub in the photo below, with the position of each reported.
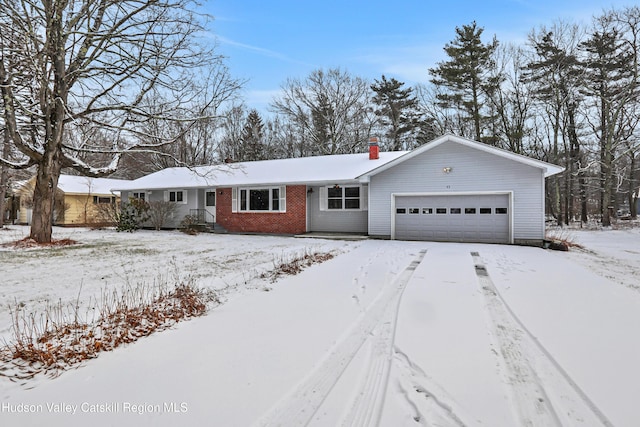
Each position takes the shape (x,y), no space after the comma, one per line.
(62,336)
(188,224)
(132,215)
(159,212)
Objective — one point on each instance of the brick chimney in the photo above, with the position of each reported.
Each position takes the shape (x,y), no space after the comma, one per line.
(373,148)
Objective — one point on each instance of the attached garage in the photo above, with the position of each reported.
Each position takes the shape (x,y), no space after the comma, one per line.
(457,190)
(453,218)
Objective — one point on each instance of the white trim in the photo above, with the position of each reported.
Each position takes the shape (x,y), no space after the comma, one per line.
(282,199)
(363,198)
(167,196)
(234,199)
(450,194)
(282,204)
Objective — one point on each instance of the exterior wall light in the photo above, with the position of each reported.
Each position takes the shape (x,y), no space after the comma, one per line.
(447,169)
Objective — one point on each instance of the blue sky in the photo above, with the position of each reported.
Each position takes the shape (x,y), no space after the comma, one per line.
(267,42)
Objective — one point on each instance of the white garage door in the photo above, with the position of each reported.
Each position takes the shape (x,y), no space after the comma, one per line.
(453,218)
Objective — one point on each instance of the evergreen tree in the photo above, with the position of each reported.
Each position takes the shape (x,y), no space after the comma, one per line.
(253,147)
(465,76)
(397,110)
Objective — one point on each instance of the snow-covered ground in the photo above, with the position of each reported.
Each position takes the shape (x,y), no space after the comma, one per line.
(386,333)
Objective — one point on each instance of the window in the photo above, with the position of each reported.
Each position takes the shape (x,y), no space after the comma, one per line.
(455,210)
(97,200)
(469,211)
(138,195)
(210,198)
(175,196)
(352,198)
(341,198)
(441,210)
(484,211)
(501,211)
(414,210)
(261,199)
(427,211)
(334,197)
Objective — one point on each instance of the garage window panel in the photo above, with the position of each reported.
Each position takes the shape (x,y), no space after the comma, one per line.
(455,211)
(401,211)
(427,211)
(484,211)
(469,211)
(501,211)
(441,210)
(414,211)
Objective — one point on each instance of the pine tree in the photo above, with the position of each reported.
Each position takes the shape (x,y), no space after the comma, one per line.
(465,76)
(253,147)
(397,109)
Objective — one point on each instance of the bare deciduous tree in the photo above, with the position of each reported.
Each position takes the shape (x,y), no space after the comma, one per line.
(330,107)
(105,67)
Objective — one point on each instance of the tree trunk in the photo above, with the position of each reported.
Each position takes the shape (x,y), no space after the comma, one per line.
(4,176)
(4,181)
(633,207)
(584,215)
(44,196)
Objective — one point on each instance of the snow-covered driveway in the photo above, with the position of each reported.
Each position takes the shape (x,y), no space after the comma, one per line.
(387,333)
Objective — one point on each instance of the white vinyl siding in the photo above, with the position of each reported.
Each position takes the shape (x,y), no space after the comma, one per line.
(471,171)
(321,219)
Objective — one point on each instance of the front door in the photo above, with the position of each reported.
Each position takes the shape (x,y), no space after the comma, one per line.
(210,203)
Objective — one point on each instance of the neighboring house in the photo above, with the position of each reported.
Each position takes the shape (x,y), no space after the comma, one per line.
(80,200)
(450,189)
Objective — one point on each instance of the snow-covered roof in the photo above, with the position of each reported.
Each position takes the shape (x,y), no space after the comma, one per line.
(548,168)
(70,184)
(303,170)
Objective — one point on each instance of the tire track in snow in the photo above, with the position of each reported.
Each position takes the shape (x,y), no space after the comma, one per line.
(423,396)
(543,392)
(298,408)
(367,406)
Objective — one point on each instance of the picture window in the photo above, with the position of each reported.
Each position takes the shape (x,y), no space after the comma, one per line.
(260,199)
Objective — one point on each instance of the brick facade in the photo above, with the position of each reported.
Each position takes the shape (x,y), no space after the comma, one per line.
(293,221)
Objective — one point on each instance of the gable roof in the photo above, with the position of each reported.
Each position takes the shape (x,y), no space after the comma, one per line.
(301,170)
(548,168)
